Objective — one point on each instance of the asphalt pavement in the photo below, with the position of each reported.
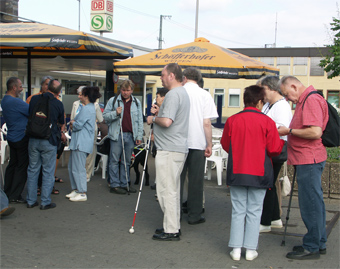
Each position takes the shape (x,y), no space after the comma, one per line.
(95,233)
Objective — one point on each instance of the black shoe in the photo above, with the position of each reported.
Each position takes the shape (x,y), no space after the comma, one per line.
(301,249)
(33,205)
(305,255)
(17,201)
(166,237)
(153,187)
(118,190)
(45,207)
(201,220)
(131,190)
(161,230)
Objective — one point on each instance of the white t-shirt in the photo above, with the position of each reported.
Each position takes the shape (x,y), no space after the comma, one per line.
(280,112)
(202,107)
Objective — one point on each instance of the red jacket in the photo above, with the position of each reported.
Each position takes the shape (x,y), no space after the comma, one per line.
(251,138)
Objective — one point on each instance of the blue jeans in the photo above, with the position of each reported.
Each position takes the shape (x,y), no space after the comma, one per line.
(312,207)
(246,216)
(116,165)
(77,170)
(41,154)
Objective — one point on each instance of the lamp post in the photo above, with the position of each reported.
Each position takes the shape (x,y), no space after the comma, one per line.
(196,22)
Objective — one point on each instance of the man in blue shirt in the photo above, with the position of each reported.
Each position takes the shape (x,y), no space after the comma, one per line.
(15,112)
(43,152)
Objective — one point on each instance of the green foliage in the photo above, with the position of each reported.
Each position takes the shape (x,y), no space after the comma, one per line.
(331,63)
(333,154)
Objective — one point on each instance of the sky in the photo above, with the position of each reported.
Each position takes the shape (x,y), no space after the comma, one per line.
(227,23)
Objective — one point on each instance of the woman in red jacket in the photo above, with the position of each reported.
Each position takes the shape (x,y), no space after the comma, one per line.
(250,138)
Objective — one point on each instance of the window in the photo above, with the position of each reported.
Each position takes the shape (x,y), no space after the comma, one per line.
(300,60)
(206,89)
(268,60)
(217,93)
(234,97)
(72,86)
(333,97)
(300,66)
(315,69)
(283,61)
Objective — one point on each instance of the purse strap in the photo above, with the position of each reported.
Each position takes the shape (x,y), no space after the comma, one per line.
(285,170)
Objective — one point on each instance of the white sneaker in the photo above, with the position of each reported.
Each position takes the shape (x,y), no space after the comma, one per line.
(79,198)
(277,223)
(235,254)
(265,229)
(71,194)
(251,254)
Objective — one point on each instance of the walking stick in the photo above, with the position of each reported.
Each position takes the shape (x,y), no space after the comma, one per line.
(132,230)
(283,243)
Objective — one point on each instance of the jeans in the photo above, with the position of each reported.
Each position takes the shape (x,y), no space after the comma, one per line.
(312,207)
(16,171)
(77,170)
(41,154)
(246,216)
(194,166)
(116,166)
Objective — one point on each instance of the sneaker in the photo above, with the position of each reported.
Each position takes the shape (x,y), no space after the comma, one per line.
(79,197)
(251,254)
(88,179)
(265,229)
(131,190)
(71,194)
(277,223)
(235,254)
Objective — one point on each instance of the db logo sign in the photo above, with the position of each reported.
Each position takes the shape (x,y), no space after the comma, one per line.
(97,5)
(109,6)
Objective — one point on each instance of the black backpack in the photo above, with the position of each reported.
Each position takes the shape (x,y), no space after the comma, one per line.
(331,135)
(39,121)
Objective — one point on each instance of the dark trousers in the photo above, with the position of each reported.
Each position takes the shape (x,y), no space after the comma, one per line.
(271,208)
(194,166)
(16,171)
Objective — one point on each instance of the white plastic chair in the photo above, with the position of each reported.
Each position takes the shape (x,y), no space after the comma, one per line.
(219,157)
(4,144)
(103,159)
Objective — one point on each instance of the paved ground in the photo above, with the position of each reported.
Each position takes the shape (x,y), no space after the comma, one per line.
(94,234)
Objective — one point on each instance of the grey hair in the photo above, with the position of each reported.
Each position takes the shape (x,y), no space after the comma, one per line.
(80,89)
(285,79)
(272,82)
(44,78)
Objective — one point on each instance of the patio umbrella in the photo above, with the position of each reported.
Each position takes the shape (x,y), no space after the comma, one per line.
(213,61)
(38,40)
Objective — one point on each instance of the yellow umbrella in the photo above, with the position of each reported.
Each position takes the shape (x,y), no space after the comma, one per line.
(213,61)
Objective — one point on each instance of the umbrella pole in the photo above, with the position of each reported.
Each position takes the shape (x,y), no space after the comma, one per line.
(29,72)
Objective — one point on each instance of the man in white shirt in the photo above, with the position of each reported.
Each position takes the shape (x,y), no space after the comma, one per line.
(202,110)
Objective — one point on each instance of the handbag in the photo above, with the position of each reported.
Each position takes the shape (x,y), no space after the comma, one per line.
(283,155)
(285,182)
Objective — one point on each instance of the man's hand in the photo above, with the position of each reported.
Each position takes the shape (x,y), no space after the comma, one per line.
(154,109)
(138,142)
(63,138)
(283,130)
(71,124)
(149,120)
(119,110)
(208,151)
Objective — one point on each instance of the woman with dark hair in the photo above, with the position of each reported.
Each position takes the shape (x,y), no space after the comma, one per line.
(250,138)
(81,144)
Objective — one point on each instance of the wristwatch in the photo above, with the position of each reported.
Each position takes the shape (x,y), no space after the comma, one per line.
(153,119)
(290,131)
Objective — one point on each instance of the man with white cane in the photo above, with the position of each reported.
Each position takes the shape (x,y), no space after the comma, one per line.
(123,114)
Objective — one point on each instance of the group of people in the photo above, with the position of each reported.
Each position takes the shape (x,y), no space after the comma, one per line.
(183,139)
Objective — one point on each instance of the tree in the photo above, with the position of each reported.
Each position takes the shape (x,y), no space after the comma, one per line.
(331,63)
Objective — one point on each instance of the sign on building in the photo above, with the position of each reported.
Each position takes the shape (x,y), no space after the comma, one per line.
(101,15)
